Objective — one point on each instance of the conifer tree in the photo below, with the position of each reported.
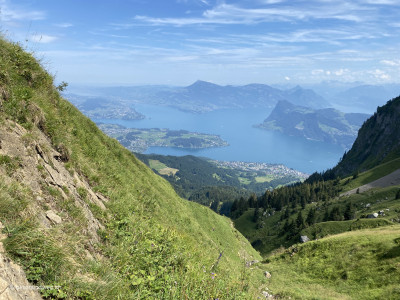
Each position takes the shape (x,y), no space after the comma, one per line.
(311,217)
(300,221)
(256,214)
(349,213)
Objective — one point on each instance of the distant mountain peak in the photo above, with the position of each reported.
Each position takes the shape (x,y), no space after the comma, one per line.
(328,124)
(305,97)
(202,84)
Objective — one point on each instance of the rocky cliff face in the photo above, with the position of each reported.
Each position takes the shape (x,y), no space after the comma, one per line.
(378,140)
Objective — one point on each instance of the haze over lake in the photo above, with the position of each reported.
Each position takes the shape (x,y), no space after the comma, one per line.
(246,143)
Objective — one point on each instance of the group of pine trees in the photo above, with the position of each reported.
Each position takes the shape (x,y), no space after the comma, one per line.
(288,196)
(293,226)
(291,202)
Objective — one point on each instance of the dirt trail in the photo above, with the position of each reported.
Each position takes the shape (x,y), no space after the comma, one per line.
(388,180)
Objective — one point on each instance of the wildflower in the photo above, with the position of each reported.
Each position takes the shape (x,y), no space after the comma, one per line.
(213,275)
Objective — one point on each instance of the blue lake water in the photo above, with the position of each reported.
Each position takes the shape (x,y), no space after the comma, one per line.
(246,143)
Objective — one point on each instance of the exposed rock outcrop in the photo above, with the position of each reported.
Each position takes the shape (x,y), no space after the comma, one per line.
(40,168)
(35,164)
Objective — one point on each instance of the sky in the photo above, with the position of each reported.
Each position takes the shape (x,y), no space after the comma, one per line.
(176,42)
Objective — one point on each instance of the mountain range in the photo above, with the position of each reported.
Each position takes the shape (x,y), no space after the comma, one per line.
(327,125)
(203,96)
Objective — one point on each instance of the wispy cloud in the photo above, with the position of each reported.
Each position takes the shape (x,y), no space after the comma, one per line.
(204,2)
(109,35)
(272,1)
(392,63)
(10,13)
(327,36)
(64,25)
(184,58)
(382,2)
(234,14)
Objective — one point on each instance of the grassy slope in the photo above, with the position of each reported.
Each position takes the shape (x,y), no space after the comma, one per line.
(154,242)
(361,264)
(371,175)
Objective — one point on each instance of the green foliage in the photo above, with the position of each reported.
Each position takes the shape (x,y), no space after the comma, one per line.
(398,195)
(324,229)
(62,86)
(82,192)
(13,200)
(300,221)
(53,192)
(9,163)
(41,258)
(214,195)
(291,195)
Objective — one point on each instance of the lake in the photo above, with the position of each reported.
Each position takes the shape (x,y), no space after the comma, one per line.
(246,143)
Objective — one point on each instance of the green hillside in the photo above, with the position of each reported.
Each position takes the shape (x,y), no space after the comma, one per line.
(82,215)
(353,265)
(349,255)
(319,209)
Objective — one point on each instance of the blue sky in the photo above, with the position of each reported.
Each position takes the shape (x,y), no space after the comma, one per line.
(134,42)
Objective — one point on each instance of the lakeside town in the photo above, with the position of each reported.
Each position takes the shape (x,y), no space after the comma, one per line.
(276,170)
